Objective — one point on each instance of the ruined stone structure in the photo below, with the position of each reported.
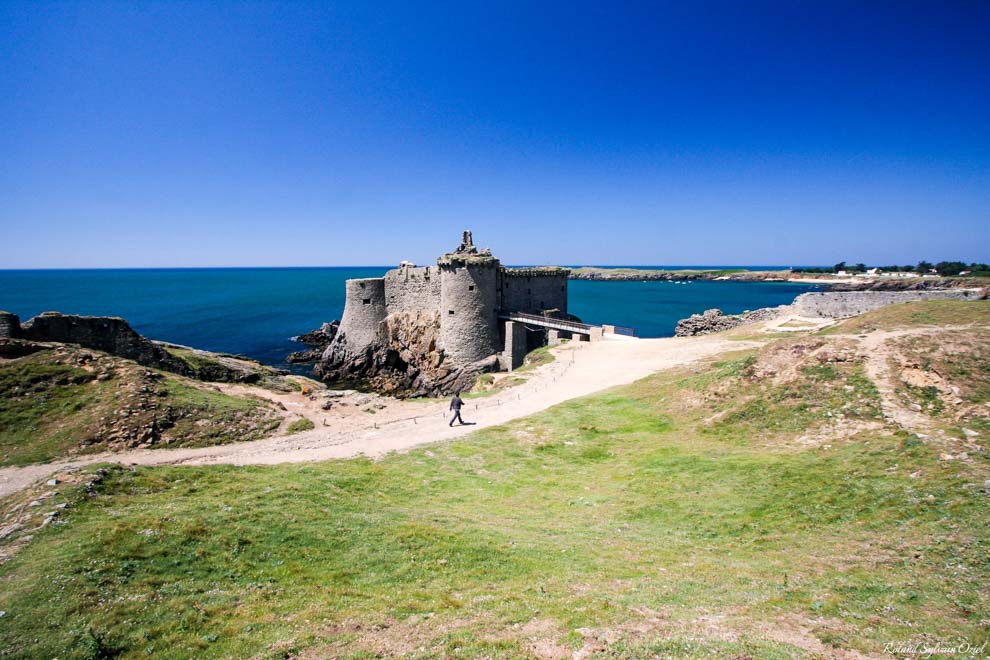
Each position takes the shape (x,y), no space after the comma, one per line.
(10,325)
(115,336)
(433,329)
(844,304)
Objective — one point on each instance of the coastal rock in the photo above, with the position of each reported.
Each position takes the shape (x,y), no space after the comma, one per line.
(304,357)
(322,336)
(713,320)
(319,339)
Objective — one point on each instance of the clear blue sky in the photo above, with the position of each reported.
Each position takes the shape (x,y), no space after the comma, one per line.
(255,134)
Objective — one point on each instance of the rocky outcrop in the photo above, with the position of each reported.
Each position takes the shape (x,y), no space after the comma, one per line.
(404,359)
(322,336)
(713,320)
(318,340)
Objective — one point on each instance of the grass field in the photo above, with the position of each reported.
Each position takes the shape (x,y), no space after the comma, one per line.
(915,314)
(711,511)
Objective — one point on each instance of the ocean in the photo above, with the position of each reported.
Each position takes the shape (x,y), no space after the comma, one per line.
(256,311)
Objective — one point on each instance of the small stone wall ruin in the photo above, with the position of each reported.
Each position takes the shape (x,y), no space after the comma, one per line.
(844,304)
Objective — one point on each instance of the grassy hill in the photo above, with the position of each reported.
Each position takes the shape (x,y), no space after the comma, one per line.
(812,497)
(64,399)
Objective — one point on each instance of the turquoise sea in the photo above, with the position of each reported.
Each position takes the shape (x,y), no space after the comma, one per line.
(256,311)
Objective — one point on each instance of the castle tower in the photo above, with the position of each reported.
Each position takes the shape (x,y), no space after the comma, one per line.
(468,295)
(364,309)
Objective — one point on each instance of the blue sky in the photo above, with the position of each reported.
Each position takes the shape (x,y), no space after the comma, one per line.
(257,134)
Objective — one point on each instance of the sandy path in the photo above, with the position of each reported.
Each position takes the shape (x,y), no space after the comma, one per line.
(878,368)
(579,369)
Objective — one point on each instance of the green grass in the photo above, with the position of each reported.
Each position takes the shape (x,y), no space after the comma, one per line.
(632,511)
(209,367)
(37,401)
(188,396)
(536,358)
(300,425)
(195,360)
(915,314)
(51,407)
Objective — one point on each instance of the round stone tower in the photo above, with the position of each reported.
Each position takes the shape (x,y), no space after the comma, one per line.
(364,309)
(468,294)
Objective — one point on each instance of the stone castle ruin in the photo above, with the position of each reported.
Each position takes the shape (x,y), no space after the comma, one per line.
(433,329)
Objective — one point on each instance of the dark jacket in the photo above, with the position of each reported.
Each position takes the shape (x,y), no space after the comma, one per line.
(456,403)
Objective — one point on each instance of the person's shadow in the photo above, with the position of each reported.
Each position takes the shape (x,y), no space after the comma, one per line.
(468,424)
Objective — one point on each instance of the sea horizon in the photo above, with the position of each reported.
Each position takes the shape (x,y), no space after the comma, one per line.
(384,266)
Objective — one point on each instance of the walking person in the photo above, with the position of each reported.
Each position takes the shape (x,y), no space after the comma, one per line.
(455,405)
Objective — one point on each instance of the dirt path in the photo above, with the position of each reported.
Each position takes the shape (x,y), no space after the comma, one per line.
(579,369)
(878,368)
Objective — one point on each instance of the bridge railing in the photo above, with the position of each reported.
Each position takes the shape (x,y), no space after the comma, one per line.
(547,321)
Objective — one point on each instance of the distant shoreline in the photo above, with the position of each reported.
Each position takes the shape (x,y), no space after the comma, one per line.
(875,283)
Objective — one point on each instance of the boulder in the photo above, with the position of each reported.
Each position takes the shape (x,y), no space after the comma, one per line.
(322,336)
(318,339)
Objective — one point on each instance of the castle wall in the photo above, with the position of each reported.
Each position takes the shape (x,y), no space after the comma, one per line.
(533,290)
(10,325)
(468,292)
(364,309)
(412,289)
(515,346)
(843,304)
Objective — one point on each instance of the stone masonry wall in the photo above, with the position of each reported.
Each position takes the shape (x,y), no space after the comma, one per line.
(10,325)
(412,289)
(844,304)
(364,309)
(533,290)
(468,330)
